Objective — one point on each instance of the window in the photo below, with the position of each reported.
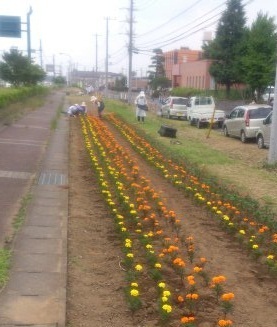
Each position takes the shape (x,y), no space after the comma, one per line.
(182,101)
(234,113)
(259,113)
(241,113)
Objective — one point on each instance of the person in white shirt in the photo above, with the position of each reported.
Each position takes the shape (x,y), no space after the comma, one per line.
(141,107)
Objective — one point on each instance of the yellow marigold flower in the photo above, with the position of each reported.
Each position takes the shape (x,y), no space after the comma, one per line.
(130,255)
(131,205)
(242,232)
(161,285)
(134,284)
(123,229)
(167,308)
(270,257)
(149,246)
(134,292)
(197,269)
(166,293)
(158,265)
(138,267)
(164,298)
(227,296)
(255,246)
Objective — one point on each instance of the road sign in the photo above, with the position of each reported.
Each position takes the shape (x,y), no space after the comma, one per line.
(10,26)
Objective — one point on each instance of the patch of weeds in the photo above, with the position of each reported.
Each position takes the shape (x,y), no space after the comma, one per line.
(20,217)
(5,256)
(270,167)
(54,122)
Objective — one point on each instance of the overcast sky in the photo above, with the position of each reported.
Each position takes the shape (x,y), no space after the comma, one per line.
(68,31)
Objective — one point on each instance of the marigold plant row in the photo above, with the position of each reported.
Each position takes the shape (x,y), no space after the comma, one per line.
(165,275)
(258,238)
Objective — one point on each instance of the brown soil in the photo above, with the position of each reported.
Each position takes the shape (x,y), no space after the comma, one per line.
(96,278)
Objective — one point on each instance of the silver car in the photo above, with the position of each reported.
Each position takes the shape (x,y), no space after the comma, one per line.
(244,121)
(175,107)
(263,134)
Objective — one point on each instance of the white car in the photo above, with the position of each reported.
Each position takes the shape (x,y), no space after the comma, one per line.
(175,107)
(263,134)
(245,121)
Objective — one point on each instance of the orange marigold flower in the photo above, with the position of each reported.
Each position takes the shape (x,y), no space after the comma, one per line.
(186,319)
(227,296)
(218,279)
(179,262)
(180,299)
(224,323)
(192,296)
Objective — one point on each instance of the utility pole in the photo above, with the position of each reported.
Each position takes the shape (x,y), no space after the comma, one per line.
(96,52)
(40,54)
(107,56)
(272,154)
(29,33)
(130,50)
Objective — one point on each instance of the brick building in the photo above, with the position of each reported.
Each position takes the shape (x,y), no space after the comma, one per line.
(186,68)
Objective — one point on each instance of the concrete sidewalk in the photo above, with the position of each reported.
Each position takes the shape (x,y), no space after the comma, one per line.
(36,292)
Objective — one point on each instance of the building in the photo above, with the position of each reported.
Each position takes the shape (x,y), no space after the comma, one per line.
(195,74)
(186,68)
(92,78)
(174,60)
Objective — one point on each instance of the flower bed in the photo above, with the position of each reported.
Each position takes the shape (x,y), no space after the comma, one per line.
(259,238)
(165,275)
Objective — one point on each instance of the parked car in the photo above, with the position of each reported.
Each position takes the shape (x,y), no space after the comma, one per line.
(268,94)
(202,112)
(263,134)
(175,107)
(245,121)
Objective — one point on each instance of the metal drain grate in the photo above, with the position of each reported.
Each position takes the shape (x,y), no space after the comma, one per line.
(48,178)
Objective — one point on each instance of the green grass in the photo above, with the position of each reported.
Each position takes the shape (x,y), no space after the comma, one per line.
(5,256)
(20,217)
(189,150)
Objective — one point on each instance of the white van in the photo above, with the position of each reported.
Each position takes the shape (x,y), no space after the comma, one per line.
(268,94)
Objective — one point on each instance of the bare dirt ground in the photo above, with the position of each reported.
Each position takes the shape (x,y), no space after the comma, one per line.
(96,280)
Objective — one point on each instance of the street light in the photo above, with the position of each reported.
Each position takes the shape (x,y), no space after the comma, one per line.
(69,67)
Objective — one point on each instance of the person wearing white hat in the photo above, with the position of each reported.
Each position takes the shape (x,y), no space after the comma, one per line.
(141,107)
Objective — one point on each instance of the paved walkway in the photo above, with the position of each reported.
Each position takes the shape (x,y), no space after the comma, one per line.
(34,161)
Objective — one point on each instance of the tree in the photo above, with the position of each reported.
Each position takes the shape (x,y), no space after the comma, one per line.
(259,60)
(20,70)
(59,80)
(157,75)
(157,64)
(120,84)
(227,47)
